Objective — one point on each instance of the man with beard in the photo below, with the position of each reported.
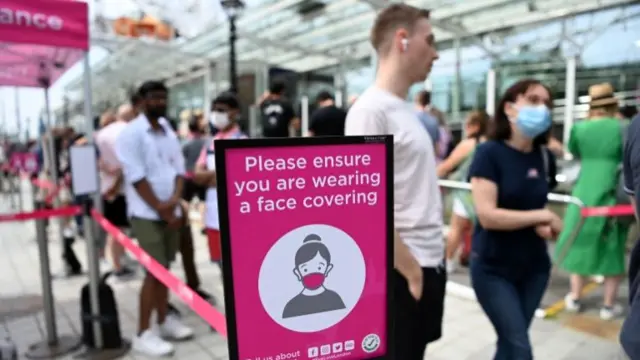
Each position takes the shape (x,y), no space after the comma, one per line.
(403,39)
(153,166)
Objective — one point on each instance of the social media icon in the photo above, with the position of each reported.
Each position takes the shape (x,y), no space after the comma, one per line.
(312,352)
(325,350)
(349,345)
(337,348)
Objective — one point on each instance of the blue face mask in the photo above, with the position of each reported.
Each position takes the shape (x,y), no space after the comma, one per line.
(533,120)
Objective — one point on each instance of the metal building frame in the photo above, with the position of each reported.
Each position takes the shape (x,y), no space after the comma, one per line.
(277,34)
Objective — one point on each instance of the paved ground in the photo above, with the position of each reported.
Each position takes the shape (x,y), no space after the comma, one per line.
(467,333)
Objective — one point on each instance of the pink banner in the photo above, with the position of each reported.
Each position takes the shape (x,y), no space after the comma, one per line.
(308,279)
(57,23)
(40,39)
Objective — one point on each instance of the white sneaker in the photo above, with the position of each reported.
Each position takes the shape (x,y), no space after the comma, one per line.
(174,329)
(571,304)
(149,343)
(609,313)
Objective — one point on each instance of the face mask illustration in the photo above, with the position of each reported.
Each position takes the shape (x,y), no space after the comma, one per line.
(312,267)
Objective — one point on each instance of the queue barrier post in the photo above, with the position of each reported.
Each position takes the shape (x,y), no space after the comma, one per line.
(19,188)
(12,189)
(54,345)
(94,272)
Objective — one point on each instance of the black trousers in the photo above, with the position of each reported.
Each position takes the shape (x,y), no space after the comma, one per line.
(69,256)
(417,323)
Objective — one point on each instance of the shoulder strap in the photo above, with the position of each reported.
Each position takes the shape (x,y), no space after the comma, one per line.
(545,162)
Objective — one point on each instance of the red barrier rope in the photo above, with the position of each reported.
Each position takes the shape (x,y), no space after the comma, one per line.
(206,311)
(41,214)
(608,211)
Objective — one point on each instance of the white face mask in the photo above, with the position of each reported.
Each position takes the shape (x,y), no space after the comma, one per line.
(220,120)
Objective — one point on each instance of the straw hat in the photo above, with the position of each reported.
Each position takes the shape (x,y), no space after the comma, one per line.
(602,95)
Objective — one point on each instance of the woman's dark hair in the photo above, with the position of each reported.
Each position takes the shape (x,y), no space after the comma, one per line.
(481,119)
(312,245)
(424,97)
(502,126)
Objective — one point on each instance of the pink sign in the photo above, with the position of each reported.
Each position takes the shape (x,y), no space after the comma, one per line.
(307,230)
(41,39)
(59,23)
(26,162)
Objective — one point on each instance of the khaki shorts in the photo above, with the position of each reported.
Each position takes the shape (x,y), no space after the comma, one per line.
(156,239)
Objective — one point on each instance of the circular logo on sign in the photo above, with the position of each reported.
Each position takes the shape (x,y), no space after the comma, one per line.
(371,343)
(312,278)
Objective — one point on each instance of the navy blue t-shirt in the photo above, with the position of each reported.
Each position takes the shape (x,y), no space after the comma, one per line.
(631,162)
(523,184)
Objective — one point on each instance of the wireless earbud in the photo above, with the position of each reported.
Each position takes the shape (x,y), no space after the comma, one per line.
(405,44)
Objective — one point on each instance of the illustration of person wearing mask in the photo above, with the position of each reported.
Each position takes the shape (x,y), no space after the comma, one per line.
(312,266)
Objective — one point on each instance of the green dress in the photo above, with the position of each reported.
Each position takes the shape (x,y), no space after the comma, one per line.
(599,247)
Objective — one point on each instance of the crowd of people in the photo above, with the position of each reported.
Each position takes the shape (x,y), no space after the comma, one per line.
(149,177)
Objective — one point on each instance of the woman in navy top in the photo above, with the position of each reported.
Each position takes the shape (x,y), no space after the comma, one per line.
(511,176)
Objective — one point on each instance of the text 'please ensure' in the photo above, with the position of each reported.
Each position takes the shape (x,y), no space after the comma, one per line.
(261,163)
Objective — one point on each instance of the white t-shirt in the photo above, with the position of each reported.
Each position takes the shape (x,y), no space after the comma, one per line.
(417,199)
(106,142)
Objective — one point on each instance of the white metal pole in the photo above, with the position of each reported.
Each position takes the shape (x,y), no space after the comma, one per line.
(50,149)
(206,99)
(569,100)
(16,93)
(456,91)
(92,251)
(491,92)
(18,179)
(304,103)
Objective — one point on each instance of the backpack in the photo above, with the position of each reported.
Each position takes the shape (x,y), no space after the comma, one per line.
(109,319)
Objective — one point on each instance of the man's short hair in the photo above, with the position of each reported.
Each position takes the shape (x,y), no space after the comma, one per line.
(324,96)
(391,19)
(277,87)
(227,98)
(134,100)
(151,86)
(423,97)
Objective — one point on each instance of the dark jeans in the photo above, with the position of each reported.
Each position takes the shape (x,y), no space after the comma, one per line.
(629,338)
(510,298)
(418,323)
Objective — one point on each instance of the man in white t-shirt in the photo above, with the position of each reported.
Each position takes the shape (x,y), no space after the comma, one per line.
(403,39)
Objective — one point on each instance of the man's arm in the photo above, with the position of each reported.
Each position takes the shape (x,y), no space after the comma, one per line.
(294,120)
(179,166)
(202,176)
(130,155)
(114,190)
